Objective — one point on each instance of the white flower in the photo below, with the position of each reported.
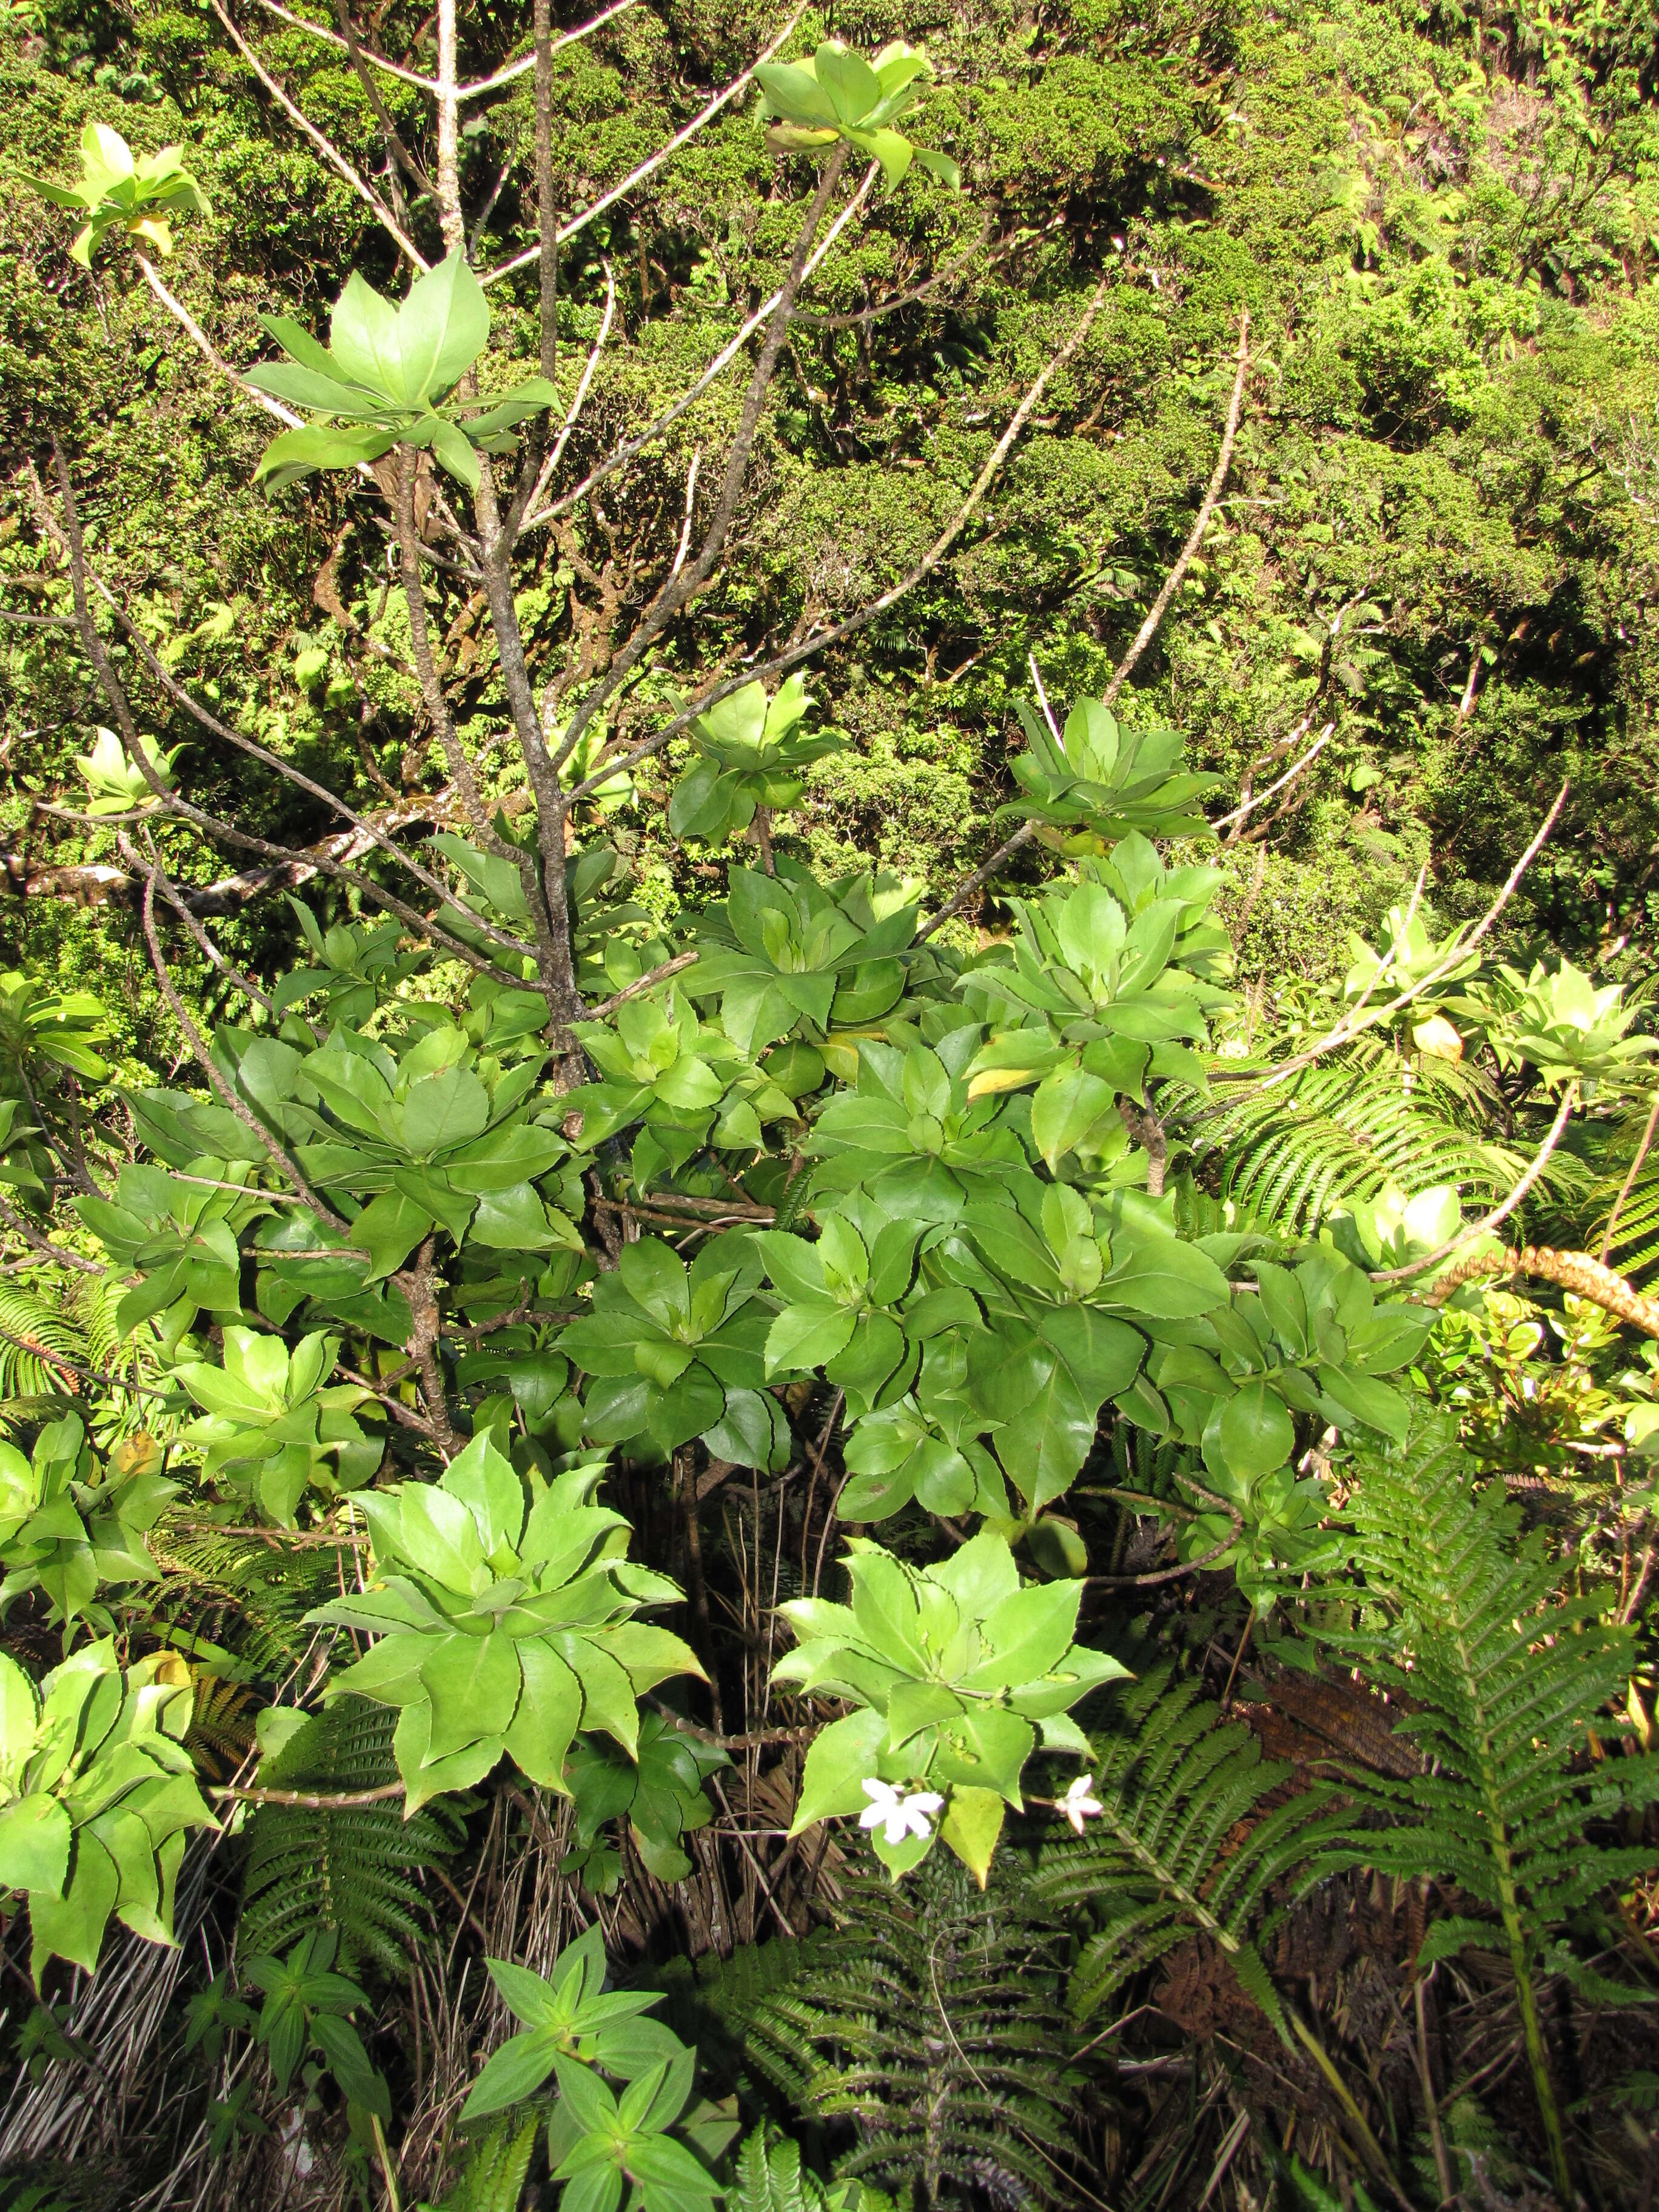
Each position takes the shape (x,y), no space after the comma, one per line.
(900,1813)
(1078,1805)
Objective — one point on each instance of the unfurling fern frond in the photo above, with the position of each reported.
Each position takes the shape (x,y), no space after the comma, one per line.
(493,2178)
(1340,1131)
(1164,1859)
(345,1867)
(930,2018)
(1513,1688)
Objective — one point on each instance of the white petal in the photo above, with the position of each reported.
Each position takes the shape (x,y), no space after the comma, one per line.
(882,1792)
(873,1815)
(898,1823)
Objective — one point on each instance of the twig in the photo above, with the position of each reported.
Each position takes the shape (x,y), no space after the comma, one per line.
(645,168)
(1289,776)
(287,1168)
(199,338)
(805,651)
(330,153)
(528,61)
(675,967)
(1499,1212)
(716,368)
(1148,630)
(309,1800)
(1629,1184)
(333,38)
(1351,1026)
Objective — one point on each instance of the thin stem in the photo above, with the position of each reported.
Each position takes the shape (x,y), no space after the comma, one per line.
(1629,1184)
(1160,607)
(1499,1212)
(330,153)
(794,655)
(286,1166)
(646,167)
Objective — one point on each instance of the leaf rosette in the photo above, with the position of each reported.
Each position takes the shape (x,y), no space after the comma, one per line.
(502,1629)
(956,1671)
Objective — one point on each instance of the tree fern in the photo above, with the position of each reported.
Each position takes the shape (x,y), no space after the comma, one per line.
(1341,1131)
(1511,1685)
(345,1867)
(1164,1858)
(931,2019)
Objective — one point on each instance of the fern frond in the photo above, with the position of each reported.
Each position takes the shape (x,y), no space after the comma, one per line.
(1512,1685)
(931,2019)
(1634,1250)
(349,1867)
(241,1596)
(493,2178)
(1164,1858)
(770,2177)
(221,1732)
(1341,1130)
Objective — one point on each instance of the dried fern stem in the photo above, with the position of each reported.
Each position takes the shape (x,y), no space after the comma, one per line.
(1573,1271)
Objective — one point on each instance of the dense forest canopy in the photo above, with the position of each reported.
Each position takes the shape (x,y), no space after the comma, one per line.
(828,1338)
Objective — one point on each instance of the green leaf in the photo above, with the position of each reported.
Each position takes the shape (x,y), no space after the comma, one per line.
(807,1336)
(839,1761)
(440,1537)
(473,1682)
(35,1844)
(512,2074)
(549,1714)
(442,327)
(297,453)
(1256,1432)
(72,1927)
(971,1826)
(444,1110)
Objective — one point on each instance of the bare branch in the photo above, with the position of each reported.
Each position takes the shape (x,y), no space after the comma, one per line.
(199,338)
(333,38)
(550,464)
(210,951)
(1572,1271)
(1500,1212)
(1148,629)
(794,655)
(716,368)
(1236,818)
(45,1246)
(288,1167)
(330,153)
(1350,1027)
(643,983)
(647,167)
(528,62)
(366,830)
(682,584)
(449,140)
(359,62)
